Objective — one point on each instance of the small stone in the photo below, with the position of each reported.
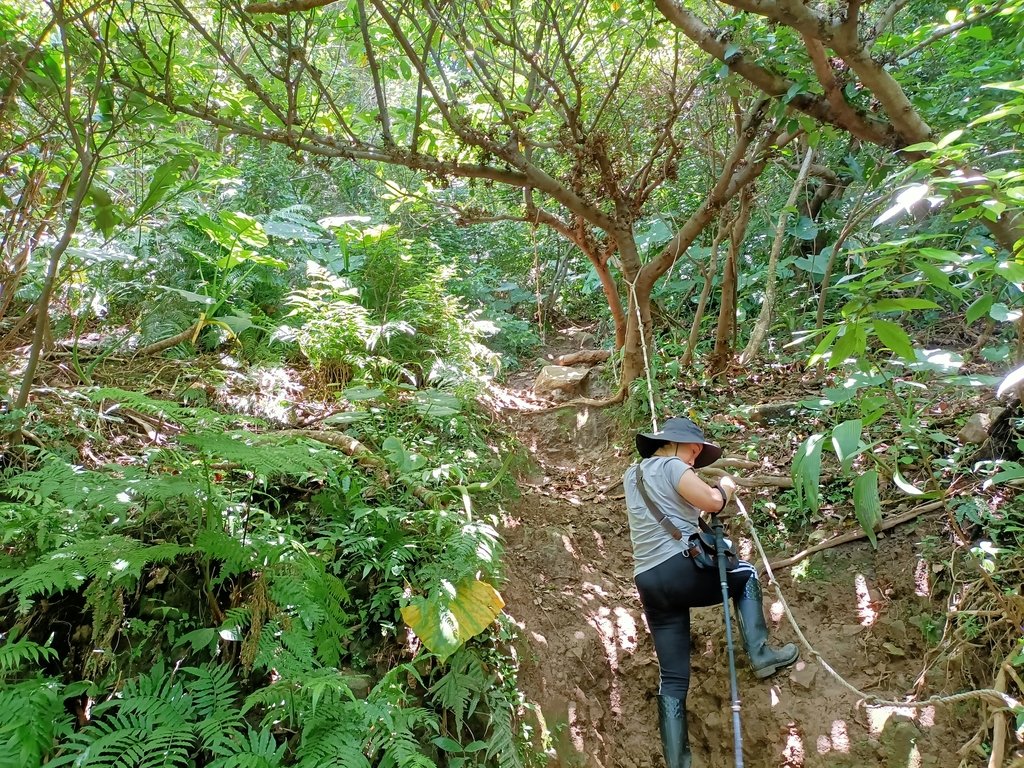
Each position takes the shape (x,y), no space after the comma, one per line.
(975,431)
(803,674)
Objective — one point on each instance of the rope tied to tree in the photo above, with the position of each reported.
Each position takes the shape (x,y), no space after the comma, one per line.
(643,347)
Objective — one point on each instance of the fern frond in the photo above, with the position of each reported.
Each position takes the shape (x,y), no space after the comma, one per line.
(256,749)
(15,653)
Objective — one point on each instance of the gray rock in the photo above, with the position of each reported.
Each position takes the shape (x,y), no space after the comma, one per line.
(560,380)
(975,431)
(803,674)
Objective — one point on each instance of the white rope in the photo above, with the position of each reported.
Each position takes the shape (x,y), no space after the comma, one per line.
(643,346)
(1000,699)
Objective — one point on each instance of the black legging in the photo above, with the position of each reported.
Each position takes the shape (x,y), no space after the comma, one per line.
(668,592)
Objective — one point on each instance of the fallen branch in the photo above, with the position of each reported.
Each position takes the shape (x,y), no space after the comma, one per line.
(344,443)
(179,338)
(753,481)
(846,538)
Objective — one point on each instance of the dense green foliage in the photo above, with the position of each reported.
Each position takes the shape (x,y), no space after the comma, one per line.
(260,264)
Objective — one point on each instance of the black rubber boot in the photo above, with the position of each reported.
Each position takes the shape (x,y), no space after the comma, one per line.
(764,660)
(672,724)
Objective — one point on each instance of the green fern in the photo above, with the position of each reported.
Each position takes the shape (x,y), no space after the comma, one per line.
(255,749)
(32,720)
(15,654)
(114,559)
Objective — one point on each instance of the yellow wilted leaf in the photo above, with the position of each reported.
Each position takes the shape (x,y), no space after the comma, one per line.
(444,623)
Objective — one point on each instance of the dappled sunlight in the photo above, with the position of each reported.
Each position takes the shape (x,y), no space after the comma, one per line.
(838,739)
(914,758)
(606,630)
(627,630)
(878,717)
(922,585)
(794,753)
(777,611)
(774,696)
(865,610)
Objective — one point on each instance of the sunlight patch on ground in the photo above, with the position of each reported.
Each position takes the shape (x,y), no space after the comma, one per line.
(627,629)
(865,611)
(794,751)
(746,550)
(777,611)
(879,716)
(602,622)
(922,585)
(914,759)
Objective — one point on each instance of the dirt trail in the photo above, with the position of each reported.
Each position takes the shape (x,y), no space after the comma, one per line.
(588,663)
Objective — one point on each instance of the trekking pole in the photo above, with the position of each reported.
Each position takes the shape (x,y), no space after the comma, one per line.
(737,737)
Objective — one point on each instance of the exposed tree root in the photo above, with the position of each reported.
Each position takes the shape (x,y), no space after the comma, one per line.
(846,538)
(584,357)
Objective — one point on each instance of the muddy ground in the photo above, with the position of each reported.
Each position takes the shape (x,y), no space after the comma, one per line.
(588,663)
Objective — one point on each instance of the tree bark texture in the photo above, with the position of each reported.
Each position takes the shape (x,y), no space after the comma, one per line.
(764,319)
(721,357)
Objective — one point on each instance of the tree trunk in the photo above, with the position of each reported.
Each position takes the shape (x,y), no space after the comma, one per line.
(764,319)
(722,355)
(702,302)
(43,304)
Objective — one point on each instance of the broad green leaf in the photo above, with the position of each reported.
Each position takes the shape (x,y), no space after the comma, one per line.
(1003,314)
(1008,472)
(807,472)
(979,308)
(846,441)
(245,228)
(898,305)
(938,278)
(894,337)
(358,394)
(405,460)
(164,178)
(105,216)
(850,344)
(1011,270)
(823,345)
(804,229)
(443,623)
(431,402)
(867,505)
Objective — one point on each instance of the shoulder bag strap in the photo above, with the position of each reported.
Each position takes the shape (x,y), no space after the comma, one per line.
(667,524)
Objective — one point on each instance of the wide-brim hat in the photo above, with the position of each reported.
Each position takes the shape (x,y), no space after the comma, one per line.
(678,430)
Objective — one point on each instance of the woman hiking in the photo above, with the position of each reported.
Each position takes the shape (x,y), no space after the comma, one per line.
(669,581)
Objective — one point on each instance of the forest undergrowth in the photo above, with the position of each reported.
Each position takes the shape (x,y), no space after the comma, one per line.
(189,580)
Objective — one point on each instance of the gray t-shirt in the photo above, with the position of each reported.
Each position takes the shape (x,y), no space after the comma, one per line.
(652,544)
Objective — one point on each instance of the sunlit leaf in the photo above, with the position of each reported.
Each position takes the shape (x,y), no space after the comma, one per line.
(443,623)
(807,472)
(866,504)
(894,337)
(846,441)
(904,201)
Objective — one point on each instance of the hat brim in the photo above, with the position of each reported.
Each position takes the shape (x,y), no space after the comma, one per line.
(709,454)
(647,445)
